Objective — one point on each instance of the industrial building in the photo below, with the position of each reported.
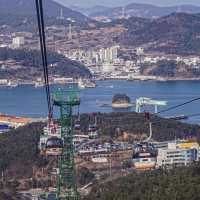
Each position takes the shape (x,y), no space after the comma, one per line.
(151,155)
(177,154)
(13,121)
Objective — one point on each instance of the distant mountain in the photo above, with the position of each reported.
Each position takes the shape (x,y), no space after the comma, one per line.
(142,10)
(20,15)
(176,33)
(27,8)
(91,10)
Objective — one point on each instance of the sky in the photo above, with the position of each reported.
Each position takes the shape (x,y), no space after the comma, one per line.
(90,3)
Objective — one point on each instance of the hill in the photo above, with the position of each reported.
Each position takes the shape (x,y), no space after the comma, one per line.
(21,14)
(27,8)
(141,10)
(19,147)
(27,64)
(20,159)
(114,124)
(179,184)
(177,33)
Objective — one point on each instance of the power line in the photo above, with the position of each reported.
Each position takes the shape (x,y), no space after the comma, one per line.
(179,105)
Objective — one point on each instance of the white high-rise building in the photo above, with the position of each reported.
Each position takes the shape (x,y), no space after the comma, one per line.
(102,54)
(17,42)
(114,52)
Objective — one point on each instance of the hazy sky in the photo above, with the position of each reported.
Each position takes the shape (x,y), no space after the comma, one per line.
(89,3)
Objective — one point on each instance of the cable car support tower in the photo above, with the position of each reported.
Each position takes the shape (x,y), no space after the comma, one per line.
(66,188)
(66,179)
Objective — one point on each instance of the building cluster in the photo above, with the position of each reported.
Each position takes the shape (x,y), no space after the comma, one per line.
(96,49)
(93,57)
(193,61)
(8,122)
(165,154)
(105,62)
(19,40)
(108,63)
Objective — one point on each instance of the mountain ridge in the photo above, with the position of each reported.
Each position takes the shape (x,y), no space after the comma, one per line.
(177,33)
(143,10)
(27,8)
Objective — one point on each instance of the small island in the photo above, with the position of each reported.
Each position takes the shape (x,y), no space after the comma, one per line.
(121,101)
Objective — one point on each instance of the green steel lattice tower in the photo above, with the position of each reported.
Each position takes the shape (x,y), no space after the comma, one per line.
(66,179)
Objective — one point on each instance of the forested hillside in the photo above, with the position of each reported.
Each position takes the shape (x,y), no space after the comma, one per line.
(179,184)
(19,148)
(177,33)
(29,64)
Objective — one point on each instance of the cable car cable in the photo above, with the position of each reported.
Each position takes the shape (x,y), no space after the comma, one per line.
(45,55)
(179,105)
(40,18)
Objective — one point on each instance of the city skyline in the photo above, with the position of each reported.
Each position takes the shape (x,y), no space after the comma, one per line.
(90,3)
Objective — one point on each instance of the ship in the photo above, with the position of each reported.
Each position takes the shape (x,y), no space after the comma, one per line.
(39,84)
(12,84)
(82,84)
(7,83)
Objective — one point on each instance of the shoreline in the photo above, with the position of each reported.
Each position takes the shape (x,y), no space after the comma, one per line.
(143,78)
(121,105)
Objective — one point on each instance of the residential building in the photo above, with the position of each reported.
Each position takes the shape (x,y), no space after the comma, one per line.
(18,42)
(175,156)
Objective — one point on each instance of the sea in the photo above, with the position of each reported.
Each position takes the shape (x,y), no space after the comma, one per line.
(26,100)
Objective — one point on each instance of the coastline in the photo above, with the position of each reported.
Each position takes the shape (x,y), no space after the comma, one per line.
(100,98)
(122,105)
(136,78)
(150,78)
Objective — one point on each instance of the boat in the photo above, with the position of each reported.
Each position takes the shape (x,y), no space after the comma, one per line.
(81,84)
(38,84)
(102,104)
(12,84)
(179,117)
(86,84)
(6,83)
(90,84)
(110,86)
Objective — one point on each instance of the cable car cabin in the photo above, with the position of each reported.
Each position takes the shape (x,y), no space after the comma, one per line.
(54,146)
(42,144)
(93,131)
(77,126)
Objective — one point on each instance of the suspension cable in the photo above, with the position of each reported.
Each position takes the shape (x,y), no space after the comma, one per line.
(40,19)
(179,105)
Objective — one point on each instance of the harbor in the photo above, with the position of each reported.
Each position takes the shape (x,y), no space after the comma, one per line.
(99,99)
